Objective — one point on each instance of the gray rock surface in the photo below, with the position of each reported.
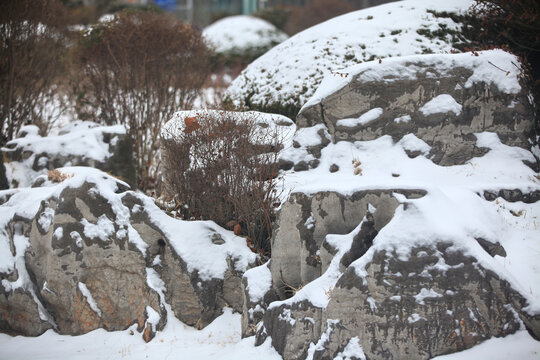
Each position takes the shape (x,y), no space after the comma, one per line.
(450,135)
(298,256)
(413,309)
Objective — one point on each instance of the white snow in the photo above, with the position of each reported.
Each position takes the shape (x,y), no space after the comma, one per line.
(77,237)
(291,71)
(412,143)
(414,318)
(424,294)
(516,346)
(286,316)
(46,218)
(153,317)
(365,118)
(102,230)
(403,119)
(443,103)
(89,299)
(259,282)
(353,350)
(236,34)
(221,340)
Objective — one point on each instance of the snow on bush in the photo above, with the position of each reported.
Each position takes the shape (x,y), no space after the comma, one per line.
(222,165)
(290,72)
(242,34)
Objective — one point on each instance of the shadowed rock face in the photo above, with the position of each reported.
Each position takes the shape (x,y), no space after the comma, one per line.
(450,135)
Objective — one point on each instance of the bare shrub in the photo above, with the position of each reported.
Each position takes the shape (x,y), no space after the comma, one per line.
(137,70)
(31,61)
(222,166)
(56,176)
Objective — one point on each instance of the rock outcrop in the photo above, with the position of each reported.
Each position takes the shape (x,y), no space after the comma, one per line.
(81,143)
(443,100)
(395,241)
(87,253)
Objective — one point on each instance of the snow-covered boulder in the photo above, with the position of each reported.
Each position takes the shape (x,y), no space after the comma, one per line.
(80,143)
(242,35)
(411,228)
(78,251)
(441,99)
(289,74)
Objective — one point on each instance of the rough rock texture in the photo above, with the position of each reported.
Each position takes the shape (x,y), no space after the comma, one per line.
(90,258)
(437,301)
(450,135)
(419,310)
(292,328)
(107,148)
(298,256)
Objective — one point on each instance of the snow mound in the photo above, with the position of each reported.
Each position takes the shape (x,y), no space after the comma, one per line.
(290,72)
(241,33)
(78,143)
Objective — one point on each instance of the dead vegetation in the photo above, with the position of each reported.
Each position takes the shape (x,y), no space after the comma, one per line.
(136,70)
(56,176)
(221,168)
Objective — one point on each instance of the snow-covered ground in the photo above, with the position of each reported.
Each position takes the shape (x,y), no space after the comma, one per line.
(220,341)
(237,34)
(291,71)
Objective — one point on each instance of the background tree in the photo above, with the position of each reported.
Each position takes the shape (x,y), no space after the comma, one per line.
(31,63)
(137,70)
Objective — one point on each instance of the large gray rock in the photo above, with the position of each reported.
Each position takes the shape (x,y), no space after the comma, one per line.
(401,87)
(410,282)
(298,254)
(437,301)
(417,309)
(91,254)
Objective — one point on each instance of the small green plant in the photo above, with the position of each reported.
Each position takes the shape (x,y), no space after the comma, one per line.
(369,17)
(395,32)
